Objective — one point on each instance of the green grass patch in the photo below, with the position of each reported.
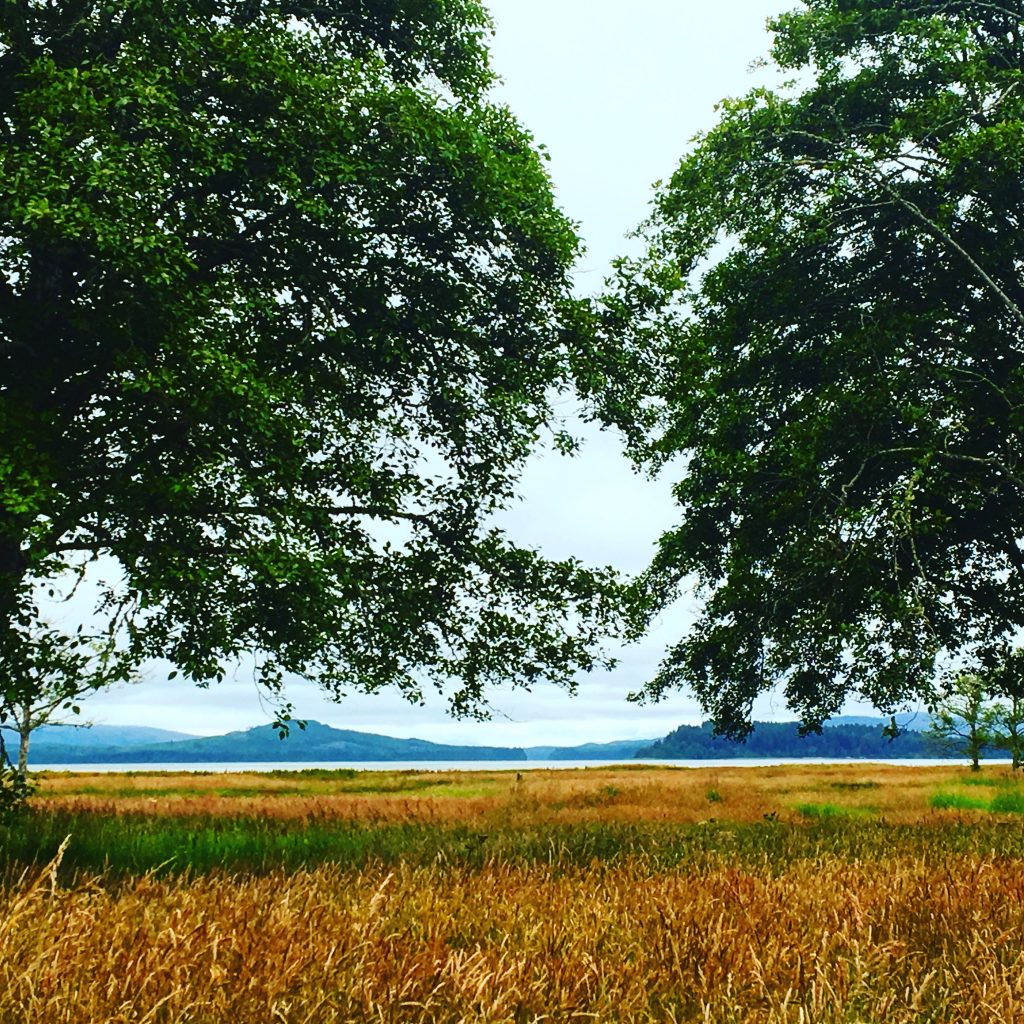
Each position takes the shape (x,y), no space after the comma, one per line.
(980,779)
(958,802)
(129,845)
(854,785)
(400,786)
(1010,801)
(826,811)
(467,791)
(312,783)
(156,793)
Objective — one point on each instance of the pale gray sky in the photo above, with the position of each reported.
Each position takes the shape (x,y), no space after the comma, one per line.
(615,91)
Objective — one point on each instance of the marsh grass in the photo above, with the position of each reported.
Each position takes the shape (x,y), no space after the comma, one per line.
(1005,800)
(1004,796)
(1001,778)
(893,938)
(1008,802)
(125,845)
(606,895)
(829,811)
(958,802)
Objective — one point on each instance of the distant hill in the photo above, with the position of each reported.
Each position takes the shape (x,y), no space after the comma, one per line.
(846,736)
(782,739)
(615,751)
(317,742)
(539,753)
(104,735)
(52,744)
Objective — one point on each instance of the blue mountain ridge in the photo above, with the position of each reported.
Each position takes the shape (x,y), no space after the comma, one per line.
(846,736)
(75,735)
(317,742)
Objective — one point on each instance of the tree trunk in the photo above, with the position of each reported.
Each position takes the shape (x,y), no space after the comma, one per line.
(13,564)
(25,726)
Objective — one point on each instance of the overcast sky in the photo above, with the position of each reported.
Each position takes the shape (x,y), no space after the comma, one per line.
(615,91)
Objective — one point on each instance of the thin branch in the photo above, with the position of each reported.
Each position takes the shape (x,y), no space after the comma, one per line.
(872,172)
(939,232)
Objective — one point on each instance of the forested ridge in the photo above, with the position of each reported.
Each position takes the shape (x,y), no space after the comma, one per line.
(783,739)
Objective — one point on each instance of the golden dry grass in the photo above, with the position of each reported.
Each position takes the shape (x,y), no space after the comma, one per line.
(824,941)
(897,794)
(917,933)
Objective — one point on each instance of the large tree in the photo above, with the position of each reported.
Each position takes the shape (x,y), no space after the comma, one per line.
(283,308)
(832,300)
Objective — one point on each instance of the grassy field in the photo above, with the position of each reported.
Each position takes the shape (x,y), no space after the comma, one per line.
(799,894)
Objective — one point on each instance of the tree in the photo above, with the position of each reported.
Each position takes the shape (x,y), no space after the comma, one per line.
(1006,682)
(962,719)
(64,670)
(1008,728)
(831,305)
(284,306)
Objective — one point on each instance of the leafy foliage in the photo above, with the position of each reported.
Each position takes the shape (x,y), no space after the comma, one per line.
(283,307)
(963,719)
(53,675)
(1006,681)
(974,711)
(832,296)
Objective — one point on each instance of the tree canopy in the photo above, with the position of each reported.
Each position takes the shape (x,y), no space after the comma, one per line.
(283,307)
(832,307)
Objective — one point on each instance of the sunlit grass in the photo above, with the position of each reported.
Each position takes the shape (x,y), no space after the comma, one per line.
(895,938)
(826,811)
(1000,777)
(1008,802)
(958,802)
(712,895)
(617,793)
(1006,798)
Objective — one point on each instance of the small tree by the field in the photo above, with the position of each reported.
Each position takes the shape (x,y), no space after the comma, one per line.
(1007,684)
(1008,724)
(963,720)
(61,671)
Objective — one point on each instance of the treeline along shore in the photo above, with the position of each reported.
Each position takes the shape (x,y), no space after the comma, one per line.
(783,739)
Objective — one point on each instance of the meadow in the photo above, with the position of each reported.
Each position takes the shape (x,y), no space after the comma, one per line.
(855,893)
